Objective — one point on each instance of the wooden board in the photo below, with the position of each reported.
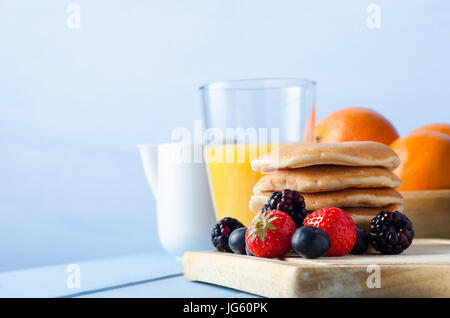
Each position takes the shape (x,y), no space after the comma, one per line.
(429,211)
(423,270)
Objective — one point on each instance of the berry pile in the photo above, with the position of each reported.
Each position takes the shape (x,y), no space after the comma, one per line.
(290,202)
(391,232)
(282,225)
(221,232)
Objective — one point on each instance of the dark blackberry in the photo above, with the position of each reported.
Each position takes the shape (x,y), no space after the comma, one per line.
(221,232)
(290,202)
(391,232)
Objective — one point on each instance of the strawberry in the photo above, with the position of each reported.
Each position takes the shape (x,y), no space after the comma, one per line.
(270,234)
(339,227)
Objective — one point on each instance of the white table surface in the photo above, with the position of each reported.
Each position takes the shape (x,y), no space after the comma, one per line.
(149,275)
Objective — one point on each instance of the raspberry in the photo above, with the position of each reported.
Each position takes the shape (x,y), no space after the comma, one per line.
(221,232)
(339,227)
(391,232)
(290,202)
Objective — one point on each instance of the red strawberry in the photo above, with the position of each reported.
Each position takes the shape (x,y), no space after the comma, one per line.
(270,234)
(339,227)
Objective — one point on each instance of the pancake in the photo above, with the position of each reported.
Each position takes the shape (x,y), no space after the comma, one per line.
(327,178)
(363,216)
(341,198)
(349,153)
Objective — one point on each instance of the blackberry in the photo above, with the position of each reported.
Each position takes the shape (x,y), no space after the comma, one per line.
(290,202)
(221,232)
(391,232)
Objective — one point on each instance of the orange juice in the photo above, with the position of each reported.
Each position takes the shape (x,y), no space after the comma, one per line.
(231,178)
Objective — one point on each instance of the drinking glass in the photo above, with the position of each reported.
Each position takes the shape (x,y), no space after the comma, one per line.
(263,114)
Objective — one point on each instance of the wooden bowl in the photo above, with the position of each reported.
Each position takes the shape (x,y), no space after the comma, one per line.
(429,211)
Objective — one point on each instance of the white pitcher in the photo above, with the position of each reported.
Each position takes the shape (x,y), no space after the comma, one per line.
(185,212)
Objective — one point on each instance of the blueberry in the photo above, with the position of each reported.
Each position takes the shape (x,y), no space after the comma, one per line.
(310,242)
(362,242)
(390,232)
(237,240)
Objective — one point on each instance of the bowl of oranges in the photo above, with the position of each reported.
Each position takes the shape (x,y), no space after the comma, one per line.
(424,168)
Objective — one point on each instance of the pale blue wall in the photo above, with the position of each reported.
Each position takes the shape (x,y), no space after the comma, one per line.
(73,103)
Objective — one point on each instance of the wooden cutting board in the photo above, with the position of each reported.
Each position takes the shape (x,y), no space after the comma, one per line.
(423,270)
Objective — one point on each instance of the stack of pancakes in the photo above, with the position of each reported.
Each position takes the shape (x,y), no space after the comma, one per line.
(354,176)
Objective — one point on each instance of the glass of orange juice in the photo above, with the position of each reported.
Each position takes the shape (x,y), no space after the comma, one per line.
(245,119)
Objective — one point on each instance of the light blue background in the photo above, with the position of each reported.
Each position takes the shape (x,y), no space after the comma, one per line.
(75,102)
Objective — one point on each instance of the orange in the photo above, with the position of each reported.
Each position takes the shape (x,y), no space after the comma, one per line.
(443,128)
(355,124)
(425,160)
